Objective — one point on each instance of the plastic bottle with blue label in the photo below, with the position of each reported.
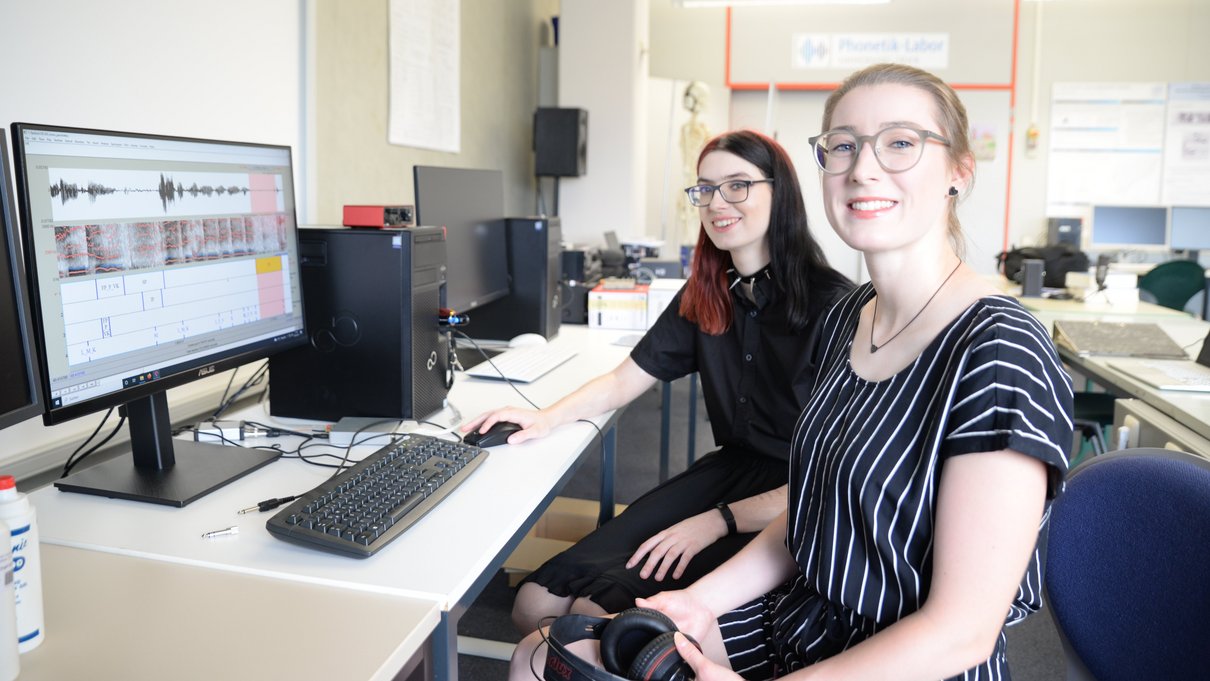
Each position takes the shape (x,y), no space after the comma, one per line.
(18,514)
(10,665)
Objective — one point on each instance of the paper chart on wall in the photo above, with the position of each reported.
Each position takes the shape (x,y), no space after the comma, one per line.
(425,99)
(1106,144)
(1187,145)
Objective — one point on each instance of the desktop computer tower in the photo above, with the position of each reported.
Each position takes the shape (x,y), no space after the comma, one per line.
(534,302)
(371,298)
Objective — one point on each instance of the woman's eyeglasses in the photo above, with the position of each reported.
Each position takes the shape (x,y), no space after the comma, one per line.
(732,191)
(897,148)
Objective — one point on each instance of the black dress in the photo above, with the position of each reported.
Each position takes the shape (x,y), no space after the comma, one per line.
(754,380)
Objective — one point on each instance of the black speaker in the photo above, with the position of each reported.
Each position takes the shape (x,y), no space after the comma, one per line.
(560,142)
(636,644)
(372,300)
(534,303)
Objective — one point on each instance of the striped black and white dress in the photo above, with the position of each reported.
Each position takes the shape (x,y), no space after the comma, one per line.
(865,467)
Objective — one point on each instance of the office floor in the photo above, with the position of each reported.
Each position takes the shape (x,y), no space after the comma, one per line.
(1034,652)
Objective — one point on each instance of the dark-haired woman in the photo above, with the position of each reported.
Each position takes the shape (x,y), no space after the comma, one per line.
(759,281)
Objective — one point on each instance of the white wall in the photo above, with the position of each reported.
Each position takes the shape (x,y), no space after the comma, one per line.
(1080,40)
(603,69)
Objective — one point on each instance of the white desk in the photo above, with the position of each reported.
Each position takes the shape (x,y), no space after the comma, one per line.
(446,558)
(116,617)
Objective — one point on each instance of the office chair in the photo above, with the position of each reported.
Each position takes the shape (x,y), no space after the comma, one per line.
(1126,567)
(1173,283)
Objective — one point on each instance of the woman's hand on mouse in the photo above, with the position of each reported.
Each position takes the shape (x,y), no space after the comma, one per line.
(534,424)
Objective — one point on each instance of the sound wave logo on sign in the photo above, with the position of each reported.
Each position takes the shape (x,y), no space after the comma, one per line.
(856,50)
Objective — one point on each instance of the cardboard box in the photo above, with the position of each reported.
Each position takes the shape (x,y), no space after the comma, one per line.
(618,308)
(659,294)
(565,522)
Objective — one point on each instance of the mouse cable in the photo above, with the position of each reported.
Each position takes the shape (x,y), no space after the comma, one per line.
(507,380)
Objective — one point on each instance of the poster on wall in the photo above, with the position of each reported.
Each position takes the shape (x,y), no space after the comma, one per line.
(1187,145)
(1106,144)
(425,99)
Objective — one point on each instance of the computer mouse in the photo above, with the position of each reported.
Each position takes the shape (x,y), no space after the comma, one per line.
(496,435)
(526,340)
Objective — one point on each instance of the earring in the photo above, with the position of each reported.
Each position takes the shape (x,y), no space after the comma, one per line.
(953,191)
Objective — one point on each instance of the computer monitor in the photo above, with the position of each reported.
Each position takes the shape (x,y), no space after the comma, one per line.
(469,203)
(1190,228)
(154,261)
(20,392)
(1130,228)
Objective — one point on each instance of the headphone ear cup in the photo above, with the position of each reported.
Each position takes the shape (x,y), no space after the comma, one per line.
(628,633)
(660,661)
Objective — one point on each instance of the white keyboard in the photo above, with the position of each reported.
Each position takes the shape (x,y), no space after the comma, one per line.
(522,365)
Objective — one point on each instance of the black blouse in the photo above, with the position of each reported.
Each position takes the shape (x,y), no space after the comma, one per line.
(756,375)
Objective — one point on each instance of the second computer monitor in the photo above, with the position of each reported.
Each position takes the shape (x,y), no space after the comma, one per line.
(1190,228)
(1130,227)
(469,203)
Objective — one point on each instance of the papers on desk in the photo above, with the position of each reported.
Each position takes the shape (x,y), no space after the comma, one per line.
(1122,339)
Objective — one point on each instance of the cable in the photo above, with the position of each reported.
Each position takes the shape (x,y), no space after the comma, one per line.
(72,464)
(488,359)
(255,379)
(67,465)
(545,639)
(268,504)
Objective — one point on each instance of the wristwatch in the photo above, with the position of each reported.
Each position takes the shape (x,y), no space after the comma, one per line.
(728,517)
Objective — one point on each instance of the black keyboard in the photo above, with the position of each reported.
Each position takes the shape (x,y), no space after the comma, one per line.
(363,509)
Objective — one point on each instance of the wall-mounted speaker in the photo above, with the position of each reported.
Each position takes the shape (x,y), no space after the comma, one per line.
(560,142)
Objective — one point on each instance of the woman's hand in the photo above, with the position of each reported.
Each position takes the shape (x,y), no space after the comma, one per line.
(534,424)
(678,545)
(704,669)
(685,610)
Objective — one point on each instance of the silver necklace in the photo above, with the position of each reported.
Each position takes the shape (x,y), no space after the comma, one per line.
(874,347)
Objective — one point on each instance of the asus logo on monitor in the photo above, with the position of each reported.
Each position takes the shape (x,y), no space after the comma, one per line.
(205,371)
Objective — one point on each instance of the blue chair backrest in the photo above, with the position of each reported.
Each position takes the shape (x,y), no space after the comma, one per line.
(1128,565)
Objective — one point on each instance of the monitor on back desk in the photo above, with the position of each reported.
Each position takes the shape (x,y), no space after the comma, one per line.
(154,261)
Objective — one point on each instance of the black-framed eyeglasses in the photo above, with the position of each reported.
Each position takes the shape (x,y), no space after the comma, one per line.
(897,148)
(732,191)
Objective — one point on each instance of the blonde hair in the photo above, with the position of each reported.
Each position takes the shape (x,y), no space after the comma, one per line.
(951,117)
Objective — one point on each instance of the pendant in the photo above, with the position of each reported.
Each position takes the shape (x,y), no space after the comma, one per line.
(873,348)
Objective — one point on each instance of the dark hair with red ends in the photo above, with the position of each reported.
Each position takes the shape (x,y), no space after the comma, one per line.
(707,302)
(795,258)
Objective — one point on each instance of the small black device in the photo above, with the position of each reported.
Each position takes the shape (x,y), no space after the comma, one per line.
(496,435)
(560,142)
(1031,285)
(375,345)
(636,644)
(1102,271)
(535,300)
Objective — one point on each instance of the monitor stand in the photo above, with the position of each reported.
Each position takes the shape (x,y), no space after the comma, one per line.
(165,471)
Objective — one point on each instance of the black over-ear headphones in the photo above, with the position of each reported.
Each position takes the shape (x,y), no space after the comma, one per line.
(636,644)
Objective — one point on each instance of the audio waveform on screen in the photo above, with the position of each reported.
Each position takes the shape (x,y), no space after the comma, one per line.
(168,190)
(91,249)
